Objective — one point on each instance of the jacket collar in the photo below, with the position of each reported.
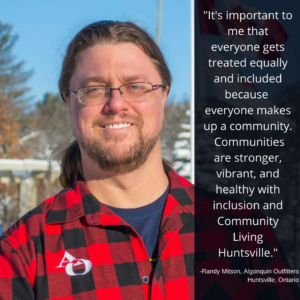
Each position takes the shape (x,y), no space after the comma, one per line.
(77,201)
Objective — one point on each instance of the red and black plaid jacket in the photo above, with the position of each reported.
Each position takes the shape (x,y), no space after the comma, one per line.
(74,247)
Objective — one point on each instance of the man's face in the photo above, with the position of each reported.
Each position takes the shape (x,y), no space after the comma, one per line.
(123,148)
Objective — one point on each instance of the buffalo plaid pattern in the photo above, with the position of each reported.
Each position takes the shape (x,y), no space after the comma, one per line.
(74,247)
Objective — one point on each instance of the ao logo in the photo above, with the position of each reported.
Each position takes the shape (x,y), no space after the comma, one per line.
(69,261)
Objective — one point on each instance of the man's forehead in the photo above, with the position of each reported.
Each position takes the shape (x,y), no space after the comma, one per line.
(124,62)
(114,50)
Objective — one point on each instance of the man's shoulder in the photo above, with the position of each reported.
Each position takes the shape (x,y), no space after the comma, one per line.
(30,225)
(210,202)
(206,202)
(182,188)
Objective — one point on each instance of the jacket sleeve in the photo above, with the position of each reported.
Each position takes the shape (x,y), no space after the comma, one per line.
(14,283)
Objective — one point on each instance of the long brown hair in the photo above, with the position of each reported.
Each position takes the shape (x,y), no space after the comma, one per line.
(99,33)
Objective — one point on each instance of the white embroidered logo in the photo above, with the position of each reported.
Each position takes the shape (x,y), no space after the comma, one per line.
(70,261)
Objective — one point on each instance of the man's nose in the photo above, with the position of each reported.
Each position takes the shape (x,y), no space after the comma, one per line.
(115,102)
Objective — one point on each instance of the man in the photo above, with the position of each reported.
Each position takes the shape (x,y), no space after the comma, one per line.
(123,227)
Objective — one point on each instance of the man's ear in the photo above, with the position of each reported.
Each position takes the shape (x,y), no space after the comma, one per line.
(165,94)
(66,99)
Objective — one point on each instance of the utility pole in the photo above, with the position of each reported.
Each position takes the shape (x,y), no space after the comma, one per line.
(158,22)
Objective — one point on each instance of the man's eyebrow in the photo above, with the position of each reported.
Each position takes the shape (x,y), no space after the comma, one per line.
(125,79)
(134,78)
(97,79)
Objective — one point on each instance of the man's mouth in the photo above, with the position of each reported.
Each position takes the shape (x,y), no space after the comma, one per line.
(115,126)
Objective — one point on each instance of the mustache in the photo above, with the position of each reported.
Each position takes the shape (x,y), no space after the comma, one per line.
(103,120)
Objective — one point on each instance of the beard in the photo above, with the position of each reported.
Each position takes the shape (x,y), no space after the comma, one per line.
(108,158)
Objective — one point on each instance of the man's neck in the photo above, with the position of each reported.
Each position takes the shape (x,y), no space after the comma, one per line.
(131,190)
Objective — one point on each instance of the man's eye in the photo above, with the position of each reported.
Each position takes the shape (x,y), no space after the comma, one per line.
(94,90)
(136,87)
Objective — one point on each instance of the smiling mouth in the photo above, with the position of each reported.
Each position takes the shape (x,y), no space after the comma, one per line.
(117,126)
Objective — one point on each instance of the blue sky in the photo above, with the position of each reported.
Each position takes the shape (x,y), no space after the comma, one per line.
(46,27)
